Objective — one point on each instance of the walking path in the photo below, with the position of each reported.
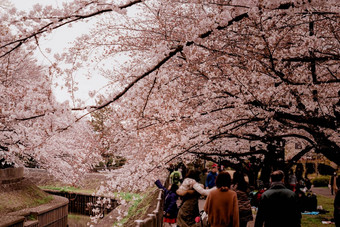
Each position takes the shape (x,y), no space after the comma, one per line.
(323,191)
(318,191)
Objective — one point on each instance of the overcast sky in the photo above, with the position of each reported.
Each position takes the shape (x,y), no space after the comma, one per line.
(57,41)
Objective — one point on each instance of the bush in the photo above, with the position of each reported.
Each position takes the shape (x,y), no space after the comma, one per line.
(321,181)
(325,169)
(100,164)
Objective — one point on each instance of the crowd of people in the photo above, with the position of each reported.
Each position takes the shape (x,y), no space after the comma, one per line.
(228,200)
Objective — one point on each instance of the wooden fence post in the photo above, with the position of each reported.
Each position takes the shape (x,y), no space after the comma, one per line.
(139,223)
(154,219)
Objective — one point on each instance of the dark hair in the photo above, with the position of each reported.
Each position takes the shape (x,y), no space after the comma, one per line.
(277,175)
(194,174)
(174,188)
(237,175)
(238,178)
(223,180)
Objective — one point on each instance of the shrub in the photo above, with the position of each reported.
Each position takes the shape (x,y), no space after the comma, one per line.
(321,181)
(325,169)
(101,164)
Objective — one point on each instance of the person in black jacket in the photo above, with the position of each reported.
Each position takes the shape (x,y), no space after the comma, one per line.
(170,204)
(337,209)
(278,205)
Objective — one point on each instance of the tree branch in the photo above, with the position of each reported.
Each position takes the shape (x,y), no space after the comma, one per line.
(129,86)
(54,25)
(325,122)
(298,156)
(147,98)
(229,153)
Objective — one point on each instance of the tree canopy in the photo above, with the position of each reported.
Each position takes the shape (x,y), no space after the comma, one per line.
(195,77)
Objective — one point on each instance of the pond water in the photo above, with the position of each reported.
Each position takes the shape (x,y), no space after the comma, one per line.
(78,220)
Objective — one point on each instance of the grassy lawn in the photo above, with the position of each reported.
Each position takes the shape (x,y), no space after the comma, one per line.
(67,189)
(21,195)
(316,220)
(140,204)
(77,220)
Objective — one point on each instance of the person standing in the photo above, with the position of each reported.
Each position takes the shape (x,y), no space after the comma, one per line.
(211,178)
(176,177)
(191,191)
(240,186)
(337,209)
(333,183)
(221,204)
(292,181)
(308,184)
(171,168)
(170,204)
(278,205)
(203,176)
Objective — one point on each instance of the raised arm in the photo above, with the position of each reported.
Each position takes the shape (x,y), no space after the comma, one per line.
(160,186)
(182,192)
(200,189)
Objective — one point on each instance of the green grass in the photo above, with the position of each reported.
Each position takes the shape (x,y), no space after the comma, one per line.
(316,220)
(128,196)
(77,217)
(140,204)
(31,217)
(78,220)
(24,196)
(67,189)
(44,200)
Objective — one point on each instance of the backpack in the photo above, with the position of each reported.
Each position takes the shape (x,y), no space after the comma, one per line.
(176,178)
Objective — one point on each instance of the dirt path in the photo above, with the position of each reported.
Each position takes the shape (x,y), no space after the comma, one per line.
(323,191)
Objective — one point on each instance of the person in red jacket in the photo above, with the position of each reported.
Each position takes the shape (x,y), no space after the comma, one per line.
(221,204)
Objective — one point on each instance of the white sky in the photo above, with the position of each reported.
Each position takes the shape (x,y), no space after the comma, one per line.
(27,4)
(57,41)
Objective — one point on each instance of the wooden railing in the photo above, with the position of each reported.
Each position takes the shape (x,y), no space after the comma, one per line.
(53,217)
(155,219)
(84,203)
(53,214)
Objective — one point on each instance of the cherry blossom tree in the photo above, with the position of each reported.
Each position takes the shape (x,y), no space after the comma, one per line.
(202,78)
(33,125)
(251,54)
